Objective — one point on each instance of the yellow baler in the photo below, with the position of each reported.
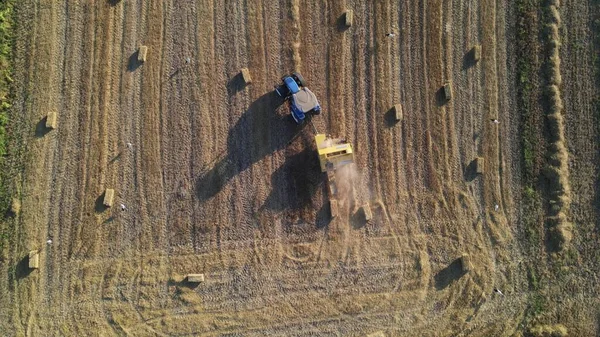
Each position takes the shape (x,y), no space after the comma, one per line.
(333,153)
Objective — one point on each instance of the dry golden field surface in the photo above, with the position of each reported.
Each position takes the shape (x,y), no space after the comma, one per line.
(217,179)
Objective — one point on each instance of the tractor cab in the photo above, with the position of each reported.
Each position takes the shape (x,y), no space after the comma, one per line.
(302,100)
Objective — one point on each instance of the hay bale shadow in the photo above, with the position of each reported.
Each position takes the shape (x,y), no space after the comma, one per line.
(22,269)
(469,59)
(470,171)
(183,283)
(40,129)
(451,273)
(235,84)
(100,207)
(340,23)
(133,62)
(440,97)
(390,117)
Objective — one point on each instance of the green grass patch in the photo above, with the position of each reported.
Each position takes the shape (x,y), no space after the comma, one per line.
(6,44)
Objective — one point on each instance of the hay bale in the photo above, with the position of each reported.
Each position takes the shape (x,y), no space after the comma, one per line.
(194,278)
(448,91)
(34,259)
(348,17)
(465,262)
(367,211)
(51,118)
(246,75)
(334,208)
(109,195)
(331,184)
(479,165)
(476,53)
(142,53)
(398,112)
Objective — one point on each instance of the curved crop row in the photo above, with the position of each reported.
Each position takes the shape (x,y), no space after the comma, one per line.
(556,170)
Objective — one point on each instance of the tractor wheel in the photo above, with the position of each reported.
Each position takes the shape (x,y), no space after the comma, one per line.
(315,112)
(299,79)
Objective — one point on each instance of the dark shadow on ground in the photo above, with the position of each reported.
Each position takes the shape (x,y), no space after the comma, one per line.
(446,276)
(470,171)
(114,2)
(340,23)
(133,62)
(183,283)
(440,97)
(390,117)
(235,84)
(296,181)
(260,131)
(22,269)
(40,129)
(358,219)
(323,216)
(100,207)
(469,59)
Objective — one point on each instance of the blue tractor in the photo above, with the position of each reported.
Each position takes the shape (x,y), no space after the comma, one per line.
(302,101)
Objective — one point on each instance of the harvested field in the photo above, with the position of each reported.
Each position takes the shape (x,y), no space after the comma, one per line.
(228,228)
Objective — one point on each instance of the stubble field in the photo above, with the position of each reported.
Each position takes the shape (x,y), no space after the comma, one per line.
(218,180)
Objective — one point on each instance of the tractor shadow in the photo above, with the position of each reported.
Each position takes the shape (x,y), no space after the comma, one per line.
(260,131)
(451,273)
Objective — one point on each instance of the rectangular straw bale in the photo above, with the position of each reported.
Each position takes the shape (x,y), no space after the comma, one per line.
(333,205)
(51,120)
(448,91)
(349,17)
(142,53)
(477,53)
(34,259)
(109,195)
(368,214)
(246,75)
(479,165)
(195,278)
(398,112)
